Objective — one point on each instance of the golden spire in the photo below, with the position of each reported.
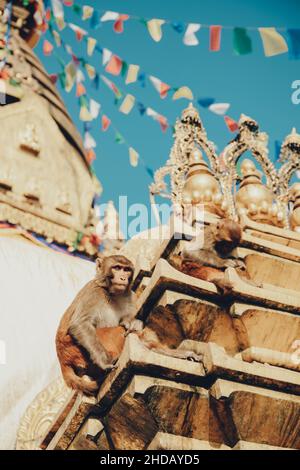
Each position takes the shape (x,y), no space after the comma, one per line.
(254,199)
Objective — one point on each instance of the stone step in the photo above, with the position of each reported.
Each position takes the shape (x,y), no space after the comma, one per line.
(165,277)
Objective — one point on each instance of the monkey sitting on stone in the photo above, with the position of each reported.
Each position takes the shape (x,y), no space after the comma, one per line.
(92,332)
(209,258)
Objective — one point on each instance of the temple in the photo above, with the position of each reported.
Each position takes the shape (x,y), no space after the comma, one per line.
(245,392)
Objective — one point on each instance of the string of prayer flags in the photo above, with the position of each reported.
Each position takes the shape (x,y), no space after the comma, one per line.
(90,156)
(231,124)
(178,26)
(89,142)
(70,76)
(133,157)
(119,23)
(127,104)
(215,38)
(58,9)
(190,38)
(160,86)
(162,120)
(87,12)
(109,16)
(183,92)
(94,108)
(155,29)
(132,74)
(219,108)
(80,32)
(112,86)
(47,48)
(241,41)
(114,65)
(91,44)
(91,71)
(273,42)
(294,43)
(106,56)
(205,102)
(57,38)
(80,90)
(105,123)
(85,115)
(119,138)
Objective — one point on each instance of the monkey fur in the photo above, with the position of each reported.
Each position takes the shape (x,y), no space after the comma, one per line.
(89,336)
(92,332)
(208,260)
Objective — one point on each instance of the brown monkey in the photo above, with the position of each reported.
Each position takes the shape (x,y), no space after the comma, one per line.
(210,259)
(151,341)
(86,327)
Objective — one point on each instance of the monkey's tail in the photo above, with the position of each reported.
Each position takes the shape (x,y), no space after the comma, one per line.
(88,387)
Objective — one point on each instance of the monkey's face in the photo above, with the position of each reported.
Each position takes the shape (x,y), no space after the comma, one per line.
(115,274)
(120,279)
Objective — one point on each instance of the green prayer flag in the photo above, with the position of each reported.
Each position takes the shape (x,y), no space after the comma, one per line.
(241,41)
(118,138)
(124,68)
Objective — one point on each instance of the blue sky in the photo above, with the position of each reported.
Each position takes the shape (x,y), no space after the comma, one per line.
(254,84)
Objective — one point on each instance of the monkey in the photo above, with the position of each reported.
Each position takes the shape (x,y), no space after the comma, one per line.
(150,340)
(209,260)
(92,320)
(92,332)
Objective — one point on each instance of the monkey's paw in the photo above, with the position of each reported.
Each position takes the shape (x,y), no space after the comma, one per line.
(134,327)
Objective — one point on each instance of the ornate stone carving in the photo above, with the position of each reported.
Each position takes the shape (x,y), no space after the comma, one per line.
(41,414)
(215,184)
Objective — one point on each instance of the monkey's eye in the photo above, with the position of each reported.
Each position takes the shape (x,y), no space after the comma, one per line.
(117,267)
(127,270)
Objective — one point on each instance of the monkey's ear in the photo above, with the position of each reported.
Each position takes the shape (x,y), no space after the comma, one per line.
(99,263)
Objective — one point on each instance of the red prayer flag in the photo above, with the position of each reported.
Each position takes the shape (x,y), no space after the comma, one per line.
(80,90)
(164,88)
(90,156)
(119,23)
(105,122)
(54,78)
(114,66)
(163,123)
(47,47)
(215,38)
(231,124)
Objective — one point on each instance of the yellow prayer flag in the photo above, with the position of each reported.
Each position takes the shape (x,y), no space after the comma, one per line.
(91,44)
(134,157)
(183,92)
(57,38)
(132,73)
(85,115)
(273,42)
(70,71)
(127,104)
(87,12)
(91,71)
(154,28)
(60,23)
